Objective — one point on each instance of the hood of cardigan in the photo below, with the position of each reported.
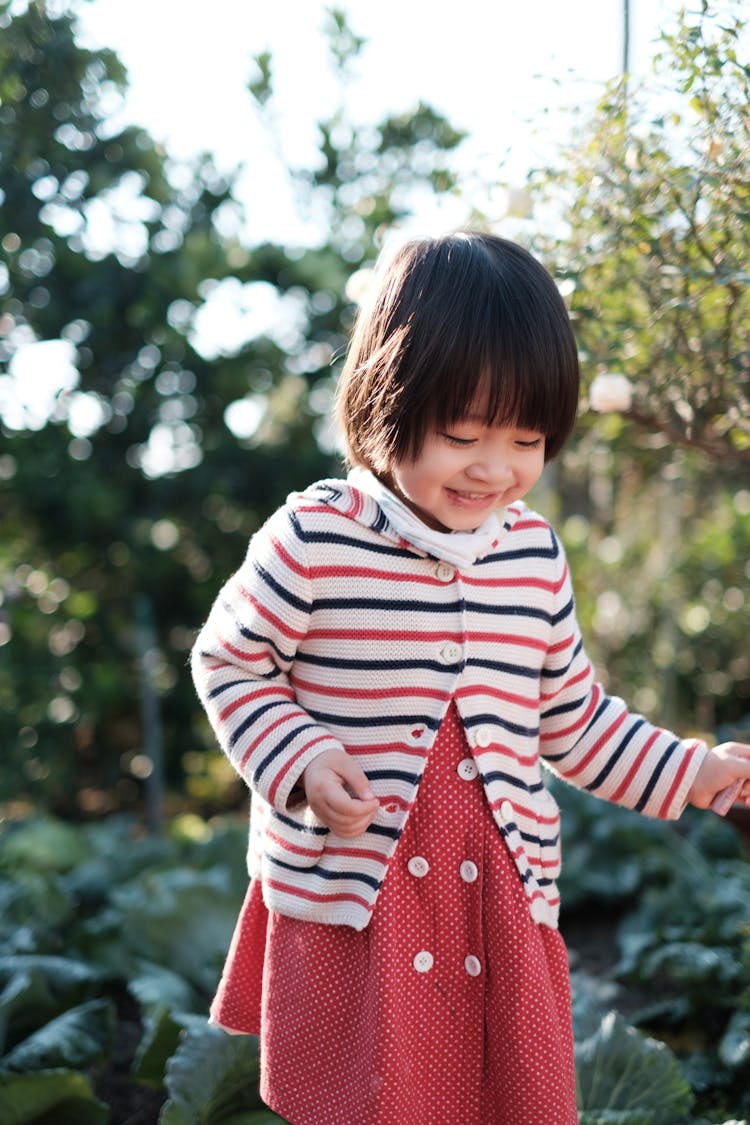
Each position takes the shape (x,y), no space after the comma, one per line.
(354,501)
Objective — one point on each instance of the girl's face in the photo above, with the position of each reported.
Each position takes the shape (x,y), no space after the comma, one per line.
(464,472)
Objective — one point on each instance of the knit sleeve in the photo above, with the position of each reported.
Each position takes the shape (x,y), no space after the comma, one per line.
(242,659)
(593,741)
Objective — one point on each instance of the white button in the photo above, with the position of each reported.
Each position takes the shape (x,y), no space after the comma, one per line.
(467,769)
(472,965)
(418,866)
(469,871)
(450,653)
(444,572)
(483,736)
(423,962)
(506,810)
(540,911)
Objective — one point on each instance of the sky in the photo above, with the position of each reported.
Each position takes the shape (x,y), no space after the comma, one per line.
(500,70)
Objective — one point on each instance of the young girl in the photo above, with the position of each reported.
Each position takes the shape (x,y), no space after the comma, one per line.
(389,669)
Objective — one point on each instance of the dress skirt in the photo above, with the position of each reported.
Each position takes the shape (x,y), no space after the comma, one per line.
(452,1006)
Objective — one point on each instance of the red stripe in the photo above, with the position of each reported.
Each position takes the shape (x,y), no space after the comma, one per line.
(368,693)
(383,635)
(547,695)
(311,896)
(522,759)
(358,853)
(623,788)
(245,656)
(274,787)
(664,810)
(523,811)
(291,847)
(277,689)
(286,717)
(608,734)
(552,587)
(505,696)
(553,735)
(266,614)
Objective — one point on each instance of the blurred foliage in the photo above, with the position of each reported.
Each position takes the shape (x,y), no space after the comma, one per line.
(112,942)
(130,488)
(129,496)
(650,202)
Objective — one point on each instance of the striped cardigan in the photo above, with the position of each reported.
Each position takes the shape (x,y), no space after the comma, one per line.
(336,633)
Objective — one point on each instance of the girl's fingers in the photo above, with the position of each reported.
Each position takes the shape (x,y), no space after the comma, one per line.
(724,800)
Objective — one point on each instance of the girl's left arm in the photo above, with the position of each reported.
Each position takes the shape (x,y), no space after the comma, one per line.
(594,741)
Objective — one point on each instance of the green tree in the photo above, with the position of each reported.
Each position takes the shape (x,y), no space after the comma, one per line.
(128,499)
(652,196)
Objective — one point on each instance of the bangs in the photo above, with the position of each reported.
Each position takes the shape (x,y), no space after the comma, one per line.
(463,324)
(494,335)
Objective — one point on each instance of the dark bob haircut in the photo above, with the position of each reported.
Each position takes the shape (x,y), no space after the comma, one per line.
(452,319)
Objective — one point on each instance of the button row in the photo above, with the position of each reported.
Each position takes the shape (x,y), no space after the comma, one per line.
(418,866)
(424,961)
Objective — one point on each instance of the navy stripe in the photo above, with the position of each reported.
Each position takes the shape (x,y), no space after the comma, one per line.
(503,666)
(614,759)
(563,708)
(322,873)
(253,717)
(653,780)
(393,775)
(377,665)
(279,748)
(309,829)
(509,779)
(373,720)
(355,542)
(557,673)
(281,591)
(604,705)
(514,728)
(387,606)
(243,682)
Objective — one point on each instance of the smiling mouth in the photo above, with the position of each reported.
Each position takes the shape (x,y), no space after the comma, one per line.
(473,497)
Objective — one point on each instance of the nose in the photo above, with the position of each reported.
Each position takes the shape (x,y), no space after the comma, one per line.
(491,471)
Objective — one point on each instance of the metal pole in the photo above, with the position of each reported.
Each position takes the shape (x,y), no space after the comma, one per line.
(150,714)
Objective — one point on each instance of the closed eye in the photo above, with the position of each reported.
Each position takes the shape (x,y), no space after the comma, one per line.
(533,444)
(458,440)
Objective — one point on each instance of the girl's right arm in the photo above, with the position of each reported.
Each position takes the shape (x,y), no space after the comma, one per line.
(242,663)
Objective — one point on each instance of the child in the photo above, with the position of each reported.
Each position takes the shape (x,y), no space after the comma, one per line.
(388,670)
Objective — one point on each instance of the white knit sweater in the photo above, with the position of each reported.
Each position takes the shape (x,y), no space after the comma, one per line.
(337,633)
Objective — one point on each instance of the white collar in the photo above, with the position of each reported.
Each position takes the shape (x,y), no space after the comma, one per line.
(460,548)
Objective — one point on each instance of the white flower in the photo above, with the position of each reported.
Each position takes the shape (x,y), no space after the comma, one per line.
(610,392)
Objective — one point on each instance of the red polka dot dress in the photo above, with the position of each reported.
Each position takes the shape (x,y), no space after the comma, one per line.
(453,1005)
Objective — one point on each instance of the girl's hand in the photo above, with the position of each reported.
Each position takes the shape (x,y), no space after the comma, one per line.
(723,778)
(339,793)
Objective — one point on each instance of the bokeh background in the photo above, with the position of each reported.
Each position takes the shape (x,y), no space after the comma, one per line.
(180,263)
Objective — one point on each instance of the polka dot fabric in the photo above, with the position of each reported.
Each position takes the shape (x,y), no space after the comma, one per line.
(453,1005)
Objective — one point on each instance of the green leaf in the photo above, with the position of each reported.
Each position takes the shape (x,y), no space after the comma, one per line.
(68,979)
(734,1047)
(76,1039)
(25,993)
(161,1037)
(212,1075)
(617,1068)
(181,918)
(60,1096)
(43,844)
(155,986)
